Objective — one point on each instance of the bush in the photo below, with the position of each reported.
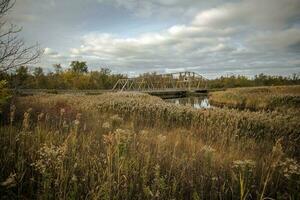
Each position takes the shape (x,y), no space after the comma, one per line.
(5,96)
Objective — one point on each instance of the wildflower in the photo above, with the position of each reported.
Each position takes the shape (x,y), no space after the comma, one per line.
(50,158)
(243,164)
(208,149)
(290,167)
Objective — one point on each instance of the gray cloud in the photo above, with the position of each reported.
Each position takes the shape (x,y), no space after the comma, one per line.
(277,40)
(267,14)
(162,7)
(210,37)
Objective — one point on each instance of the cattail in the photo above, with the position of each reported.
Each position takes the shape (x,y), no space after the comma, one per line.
(77,122)
(47,118)
(65,124)
(40,117)
(12,113)
(10,181)
(108,139)
(62,112)
(78,116)
(26,120)
(116,121)
(84,127)
(106,126)
(74,178)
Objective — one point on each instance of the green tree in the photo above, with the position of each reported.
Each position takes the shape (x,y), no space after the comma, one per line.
(39,78)
(22,76)
(38,71)
(79,67)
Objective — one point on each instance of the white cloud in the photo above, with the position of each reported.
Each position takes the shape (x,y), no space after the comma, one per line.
(264,14)
(231,37)
(50,52)
(178,42)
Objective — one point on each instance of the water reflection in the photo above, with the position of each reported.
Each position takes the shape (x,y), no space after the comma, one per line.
(196,102)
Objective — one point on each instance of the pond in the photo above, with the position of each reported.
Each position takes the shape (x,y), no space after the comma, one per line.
(195,102)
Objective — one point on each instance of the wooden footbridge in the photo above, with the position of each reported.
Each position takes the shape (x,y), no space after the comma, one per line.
(166,85)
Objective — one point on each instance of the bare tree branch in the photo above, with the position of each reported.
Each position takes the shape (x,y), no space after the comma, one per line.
(6,5)
(13,51)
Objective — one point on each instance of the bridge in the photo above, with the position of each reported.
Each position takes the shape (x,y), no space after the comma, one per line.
(169,85)
(157,82)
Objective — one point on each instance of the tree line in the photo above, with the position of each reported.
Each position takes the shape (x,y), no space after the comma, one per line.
(258,80)
(76,76)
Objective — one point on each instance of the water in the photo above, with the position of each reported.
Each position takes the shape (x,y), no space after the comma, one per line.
(195,102)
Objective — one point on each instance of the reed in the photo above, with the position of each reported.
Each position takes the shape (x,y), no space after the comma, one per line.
(281,98)
(134,146)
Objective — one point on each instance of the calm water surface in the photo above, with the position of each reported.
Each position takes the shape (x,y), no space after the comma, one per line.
(196,102)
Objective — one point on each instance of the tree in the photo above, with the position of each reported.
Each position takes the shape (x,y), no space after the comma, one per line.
(57,68)
(105,71)
(79,67)
(13,51)
(38,72)
(21,76)
(39,78)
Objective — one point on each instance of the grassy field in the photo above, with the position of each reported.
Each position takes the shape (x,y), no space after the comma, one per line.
(135,146)
(259,98)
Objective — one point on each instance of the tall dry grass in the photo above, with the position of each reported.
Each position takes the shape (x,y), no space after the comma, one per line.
(134,146)
(282,98)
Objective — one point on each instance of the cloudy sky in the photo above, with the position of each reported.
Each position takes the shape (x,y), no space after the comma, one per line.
(213,38)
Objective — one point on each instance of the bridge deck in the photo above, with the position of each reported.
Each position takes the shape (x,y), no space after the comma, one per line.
(163,93)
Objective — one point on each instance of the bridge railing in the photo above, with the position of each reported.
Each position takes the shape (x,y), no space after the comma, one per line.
(173,81)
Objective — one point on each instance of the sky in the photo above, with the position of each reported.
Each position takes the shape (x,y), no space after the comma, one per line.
(212,38)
